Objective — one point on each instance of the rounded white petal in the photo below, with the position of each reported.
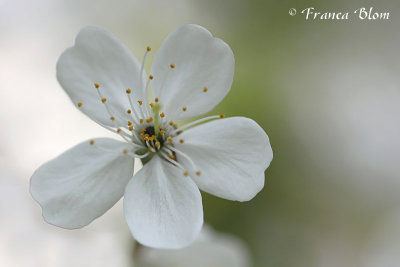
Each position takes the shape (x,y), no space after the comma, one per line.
(163,207)
(210,249)
(99,57)
(200,61)
(231,154)
(82,183)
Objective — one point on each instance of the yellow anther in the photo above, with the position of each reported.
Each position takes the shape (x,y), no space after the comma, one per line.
(143,130)
(129,123)
(149,119)
(112,118)
(125,151)
(151,77)
(159,127)
(205,89)
(141,121)
(104,100)
(185,173)
(171,156)
(153,137)
(91,142)
(128,91)
(80,104)
(157,144)
(162,132)
(96,85)
(184,108)
(181,141)
(129,111)
(146,135)
(151,105)
(140,102)
(198,173)
(148,48)
(118,130)
(171,123)
(169,139)
(221,116)
(156,99)
(162,115)
(172,65)
(150,149)
(131,128)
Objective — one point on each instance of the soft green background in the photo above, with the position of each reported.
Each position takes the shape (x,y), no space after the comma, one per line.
(326,92)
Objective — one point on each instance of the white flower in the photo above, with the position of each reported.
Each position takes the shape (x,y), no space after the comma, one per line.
(208,250)
(193,71)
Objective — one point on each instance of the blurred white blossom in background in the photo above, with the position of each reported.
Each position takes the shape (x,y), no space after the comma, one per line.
(211,249)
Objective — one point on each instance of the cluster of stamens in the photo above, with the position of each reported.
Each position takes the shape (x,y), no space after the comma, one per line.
(148,131)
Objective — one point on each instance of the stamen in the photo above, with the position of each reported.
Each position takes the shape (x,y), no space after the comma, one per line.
(166,157)
(131,128)
(169,139)
(184,108)
(198,173)
(185,156)
(129,111)
(156,99)
(128,93)
(91,142)
(129,123)
(104,101)
(197,122)
(205,89)
(142,67)
(172,65)
(181,141)
(148,113)
(141,121)
(80,104)
(140,102)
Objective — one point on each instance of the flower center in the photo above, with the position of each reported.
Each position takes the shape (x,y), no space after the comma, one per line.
(148,131)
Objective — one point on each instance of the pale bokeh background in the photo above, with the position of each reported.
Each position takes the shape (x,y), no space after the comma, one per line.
(326,92)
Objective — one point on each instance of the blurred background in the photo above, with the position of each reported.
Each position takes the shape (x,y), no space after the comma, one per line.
(326,92)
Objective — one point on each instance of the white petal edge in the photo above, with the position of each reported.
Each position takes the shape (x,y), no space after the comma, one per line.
(231,154)
(163,208)
(82,183)
(99,57)
(200,60)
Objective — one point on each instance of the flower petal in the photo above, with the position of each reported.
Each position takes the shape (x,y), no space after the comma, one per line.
(99,57)
(200,60)
(82,183)
(163,208)
(231,154)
